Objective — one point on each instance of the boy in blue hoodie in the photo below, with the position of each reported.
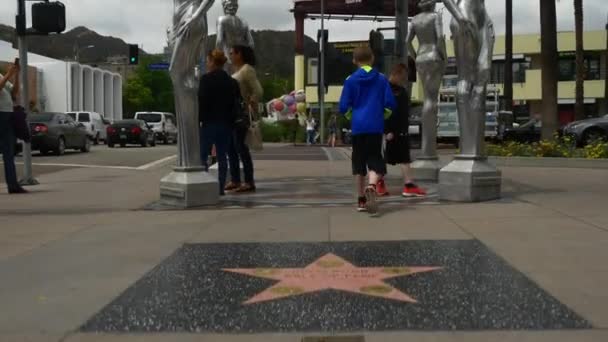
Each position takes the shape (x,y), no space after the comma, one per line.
(367,100)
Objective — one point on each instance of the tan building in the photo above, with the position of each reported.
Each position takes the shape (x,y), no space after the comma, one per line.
(527,90)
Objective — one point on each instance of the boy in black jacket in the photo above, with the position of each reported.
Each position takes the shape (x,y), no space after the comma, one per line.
(397,135)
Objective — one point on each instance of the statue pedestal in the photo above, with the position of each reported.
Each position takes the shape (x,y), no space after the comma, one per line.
(469,179)
(189,188)
(426,169)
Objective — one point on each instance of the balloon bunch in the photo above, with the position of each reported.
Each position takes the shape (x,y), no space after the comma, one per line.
(286,107)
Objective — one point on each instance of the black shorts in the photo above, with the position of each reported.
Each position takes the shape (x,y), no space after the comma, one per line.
(367,154)
(398,150)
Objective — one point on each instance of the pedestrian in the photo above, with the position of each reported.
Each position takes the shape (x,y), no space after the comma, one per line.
(310,130)
(397,135)
(218,96)
(243,60)
(367,100)
(333,130)
(9,93)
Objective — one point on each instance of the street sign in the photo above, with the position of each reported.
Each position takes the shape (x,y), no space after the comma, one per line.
(158,66)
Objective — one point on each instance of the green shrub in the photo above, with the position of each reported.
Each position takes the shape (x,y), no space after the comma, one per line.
(282,131)
(559,148)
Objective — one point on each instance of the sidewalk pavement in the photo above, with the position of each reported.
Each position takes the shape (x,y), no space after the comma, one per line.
(80,239)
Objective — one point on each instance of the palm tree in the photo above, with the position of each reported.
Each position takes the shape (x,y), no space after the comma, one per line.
(579,108)
(549,60)
(508,91)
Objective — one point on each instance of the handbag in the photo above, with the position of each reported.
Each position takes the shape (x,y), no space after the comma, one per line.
(254,138)
(19,123)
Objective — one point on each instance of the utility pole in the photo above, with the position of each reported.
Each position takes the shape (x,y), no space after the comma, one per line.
(322,78)
(401,30)
(508,87)
(606,74)
(24,97)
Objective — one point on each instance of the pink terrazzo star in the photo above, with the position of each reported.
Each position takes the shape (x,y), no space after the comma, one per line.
(331,272)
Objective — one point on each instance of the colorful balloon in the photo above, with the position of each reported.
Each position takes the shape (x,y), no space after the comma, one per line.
(289,100)
(278,105)
(293,108)
(301,107)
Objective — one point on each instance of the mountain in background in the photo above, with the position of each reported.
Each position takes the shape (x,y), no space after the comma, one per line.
(274,49)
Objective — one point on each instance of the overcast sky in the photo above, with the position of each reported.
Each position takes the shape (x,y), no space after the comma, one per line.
(145,22)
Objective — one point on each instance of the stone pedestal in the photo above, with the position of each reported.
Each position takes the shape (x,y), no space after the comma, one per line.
(189,188)
(469,179)
(426,169)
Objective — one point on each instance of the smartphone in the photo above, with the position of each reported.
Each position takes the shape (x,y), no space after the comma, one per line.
(16,61)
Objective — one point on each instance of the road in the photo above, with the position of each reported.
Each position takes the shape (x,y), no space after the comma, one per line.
(100,157)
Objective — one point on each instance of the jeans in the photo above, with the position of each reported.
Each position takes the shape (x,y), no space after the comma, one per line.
(310,137)
(7,146)
(240,151)
(217,134)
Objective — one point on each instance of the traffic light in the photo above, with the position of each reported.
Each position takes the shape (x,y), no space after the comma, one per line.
(48,17)
(133,54)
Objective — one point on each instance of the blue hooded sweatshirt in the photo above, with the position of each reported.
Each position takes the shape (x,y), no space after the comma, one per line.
(368,96)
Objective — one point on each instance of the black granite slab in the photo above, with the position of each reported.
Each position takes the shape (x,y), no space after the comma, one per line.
(475,290)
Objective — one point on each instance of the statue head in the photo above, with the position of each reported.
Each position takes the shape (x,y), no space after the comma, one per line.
(230,6)
(426,7)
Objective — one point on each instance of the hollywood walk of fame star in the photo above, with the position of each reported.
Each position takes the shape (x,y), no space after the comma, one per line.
(331,272)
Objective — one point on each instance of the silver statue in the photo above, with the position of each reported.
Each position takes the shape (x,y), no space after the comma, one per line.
(469,177)
(474,37)
(231,29)
(431,59)
(188,36)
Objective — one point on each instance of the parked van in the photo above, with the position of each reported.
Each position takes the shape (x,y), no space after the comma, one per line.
(94,123)
(164,125)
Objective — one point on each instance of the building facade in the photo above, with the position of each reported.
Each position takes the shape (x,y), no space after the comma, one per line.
(65,86)
(527,88)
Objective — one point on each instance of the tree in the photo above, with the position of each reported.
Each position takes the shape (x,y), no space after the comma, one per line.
(550,68)
(508,87)
(148,90)
(579,108)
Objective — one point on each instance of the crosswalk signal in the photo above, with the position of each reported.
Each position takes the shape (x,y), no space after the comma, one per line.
(133,54)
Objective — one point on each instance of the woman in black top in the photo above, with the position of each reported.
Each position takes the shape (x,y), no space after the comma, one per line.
(218,96)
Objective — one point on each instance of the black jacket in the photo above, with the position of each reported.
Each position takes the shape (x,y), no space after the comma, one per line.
(218,96)
(399,122)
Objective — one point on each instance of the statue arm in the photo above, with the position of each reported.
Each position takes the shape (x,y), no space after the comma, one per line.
(250,38)
(411,34)
(202,9)
(454,10)
(441,37)
(219,42)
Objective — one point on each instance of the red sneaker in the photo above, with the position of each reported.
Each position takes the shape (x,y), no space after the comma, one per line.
(381,189)
(362,205)
(412,190)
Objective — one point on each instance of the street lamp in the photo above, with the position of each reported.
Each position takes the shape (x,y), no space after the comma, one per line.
(78,50)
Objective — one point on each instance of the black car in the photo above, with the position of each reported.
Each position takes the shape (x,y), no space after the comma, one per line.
(134,132)
(57,132)
(529,132)
(587,131)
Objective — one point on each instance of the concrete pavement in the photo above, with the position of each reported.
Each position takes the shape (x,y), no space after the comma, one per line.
(80,239)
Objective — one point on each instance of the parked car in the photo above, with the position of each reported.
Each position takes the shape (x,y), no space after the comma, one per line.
(587,131)
(57,132)
(94,123)
(134,132)
(164,125)
(529,132)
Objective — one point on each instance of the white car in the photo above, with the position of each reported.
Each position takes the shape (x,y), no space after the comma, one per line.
(164,125)
(94,123)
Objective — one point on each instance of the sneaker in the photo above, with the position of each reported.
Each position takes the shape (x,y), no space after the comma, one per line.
(362,206)
(18,191)
(382,190)
(371,199)
(412,190)
(232,186)
(246,187)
